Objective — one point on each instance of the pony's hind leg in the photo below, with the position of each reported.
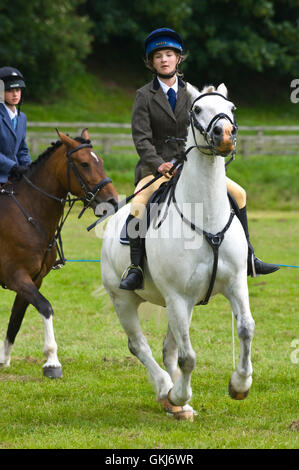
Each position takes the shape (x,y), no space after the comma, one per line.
(241,379)
(17,314)
(126,304)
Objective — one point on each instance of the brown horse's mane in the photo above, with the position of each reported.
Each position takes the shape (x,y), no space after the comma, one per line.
(43,157)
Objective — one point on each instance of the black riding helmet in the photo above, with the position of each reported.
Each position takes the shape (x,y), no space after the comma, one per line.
(13,78)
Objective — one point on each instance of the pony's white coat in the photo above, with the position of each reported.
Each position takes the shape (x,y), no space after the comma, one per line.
(177,274)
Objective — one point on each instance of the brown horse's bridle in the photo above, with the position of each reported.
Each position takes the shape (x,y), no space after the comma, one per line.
(90,194)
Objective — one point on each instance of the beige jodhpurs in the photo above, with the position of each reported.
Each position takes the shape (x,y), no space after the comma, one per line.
(140,200)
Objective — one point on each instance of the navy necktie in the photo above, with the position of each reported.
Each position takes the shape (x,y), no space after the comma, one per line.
(172,98)
(15,122)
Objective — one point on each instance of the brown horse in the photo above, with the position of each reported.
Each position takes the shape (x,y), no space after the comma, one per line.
(30,211)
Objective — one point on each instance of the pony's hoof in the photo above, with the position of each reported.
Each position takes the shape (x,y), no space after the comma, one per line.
(52,372)
(181,413)
(236,395)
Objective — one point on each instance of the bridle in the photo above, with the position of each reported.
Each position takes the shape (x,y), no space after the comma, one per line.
(90,193)
(207,133)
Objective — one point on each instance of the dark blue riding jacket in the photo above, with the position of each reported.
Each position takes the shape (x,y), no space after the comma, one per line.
(13,147)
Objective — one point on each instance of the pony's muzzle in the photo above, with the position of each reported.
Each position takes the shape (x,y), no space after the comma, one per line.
(103,208)
(223,136)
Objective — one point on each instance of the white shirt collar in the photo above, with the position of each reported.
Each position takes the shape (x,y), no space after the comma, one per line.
(11,113)
(165,87)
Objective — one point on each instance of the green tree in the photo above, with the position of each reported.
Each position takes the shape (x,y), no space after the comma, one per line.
(120,27)
(46,40)
(242,43)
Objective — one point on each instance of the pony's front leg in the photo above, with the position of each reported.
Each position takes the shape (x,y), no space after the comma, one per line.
(52,367)
(179,318)
(170,355)
(241,379)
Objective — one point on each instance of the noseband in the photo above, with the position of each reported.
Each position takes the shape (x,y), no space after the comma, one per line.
(90,194)
(206,133)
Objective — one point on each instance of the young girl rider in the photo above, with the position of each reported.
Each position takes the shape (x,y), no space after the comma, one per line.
(161,110)
(14,153)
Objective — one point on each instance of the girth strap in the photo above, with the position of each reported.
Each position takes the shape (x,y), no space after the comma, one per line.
(214,242)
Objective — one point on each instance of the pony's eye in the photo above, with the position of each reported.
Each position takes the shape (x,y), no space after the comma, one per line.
(233,109)
(197,109)
(84,165)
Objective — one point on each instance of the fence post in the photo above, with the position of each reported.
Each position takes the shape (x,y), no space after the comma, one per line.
(33,144)
(106,146)
(244,148)
(259,142)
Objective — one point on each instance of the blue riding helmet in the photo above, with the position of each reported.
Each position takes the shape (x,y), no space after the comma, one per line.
(162,38)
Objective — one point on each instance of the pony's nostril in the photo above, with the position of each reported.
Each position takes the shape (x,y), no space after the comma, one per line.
(217,130)
(234,130)
(113,202)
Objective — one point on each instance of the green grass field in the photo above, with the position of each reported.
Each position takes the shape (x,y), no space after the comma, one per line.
(105,401)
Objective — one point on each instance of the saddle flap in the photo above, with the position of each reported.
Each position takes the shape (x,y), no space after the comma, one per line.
(157,198)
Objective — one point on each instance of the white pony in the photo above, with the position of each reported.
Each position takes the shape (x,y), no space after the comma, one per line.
(179,260)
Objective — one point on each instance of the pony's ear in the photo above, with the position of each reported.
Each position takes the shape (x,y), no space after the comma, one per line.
(222,90)
(85,134)
(65,139)
(192,91)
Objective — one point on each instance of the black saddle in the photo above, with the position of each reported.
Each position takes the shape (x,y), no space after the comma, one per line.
(159,196)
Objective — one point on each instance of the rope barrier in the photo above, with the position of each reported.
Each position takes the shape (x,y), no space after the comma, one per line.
(98,261)
(83,260)
(287,265)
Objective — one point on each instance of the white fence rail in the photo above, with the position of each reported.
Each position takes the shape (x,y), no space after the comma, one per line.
(252,140)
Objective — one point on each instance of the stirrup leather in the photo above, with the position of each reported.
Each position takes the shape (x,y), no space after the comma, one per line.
(253,272)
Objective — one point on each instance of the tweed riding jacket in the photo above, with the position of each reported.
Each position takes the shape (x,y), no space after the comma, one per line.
(153,121)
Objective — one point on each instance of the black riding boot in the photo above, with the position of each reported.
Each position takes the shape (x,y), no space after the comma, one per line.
(254,265)
(133,276)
